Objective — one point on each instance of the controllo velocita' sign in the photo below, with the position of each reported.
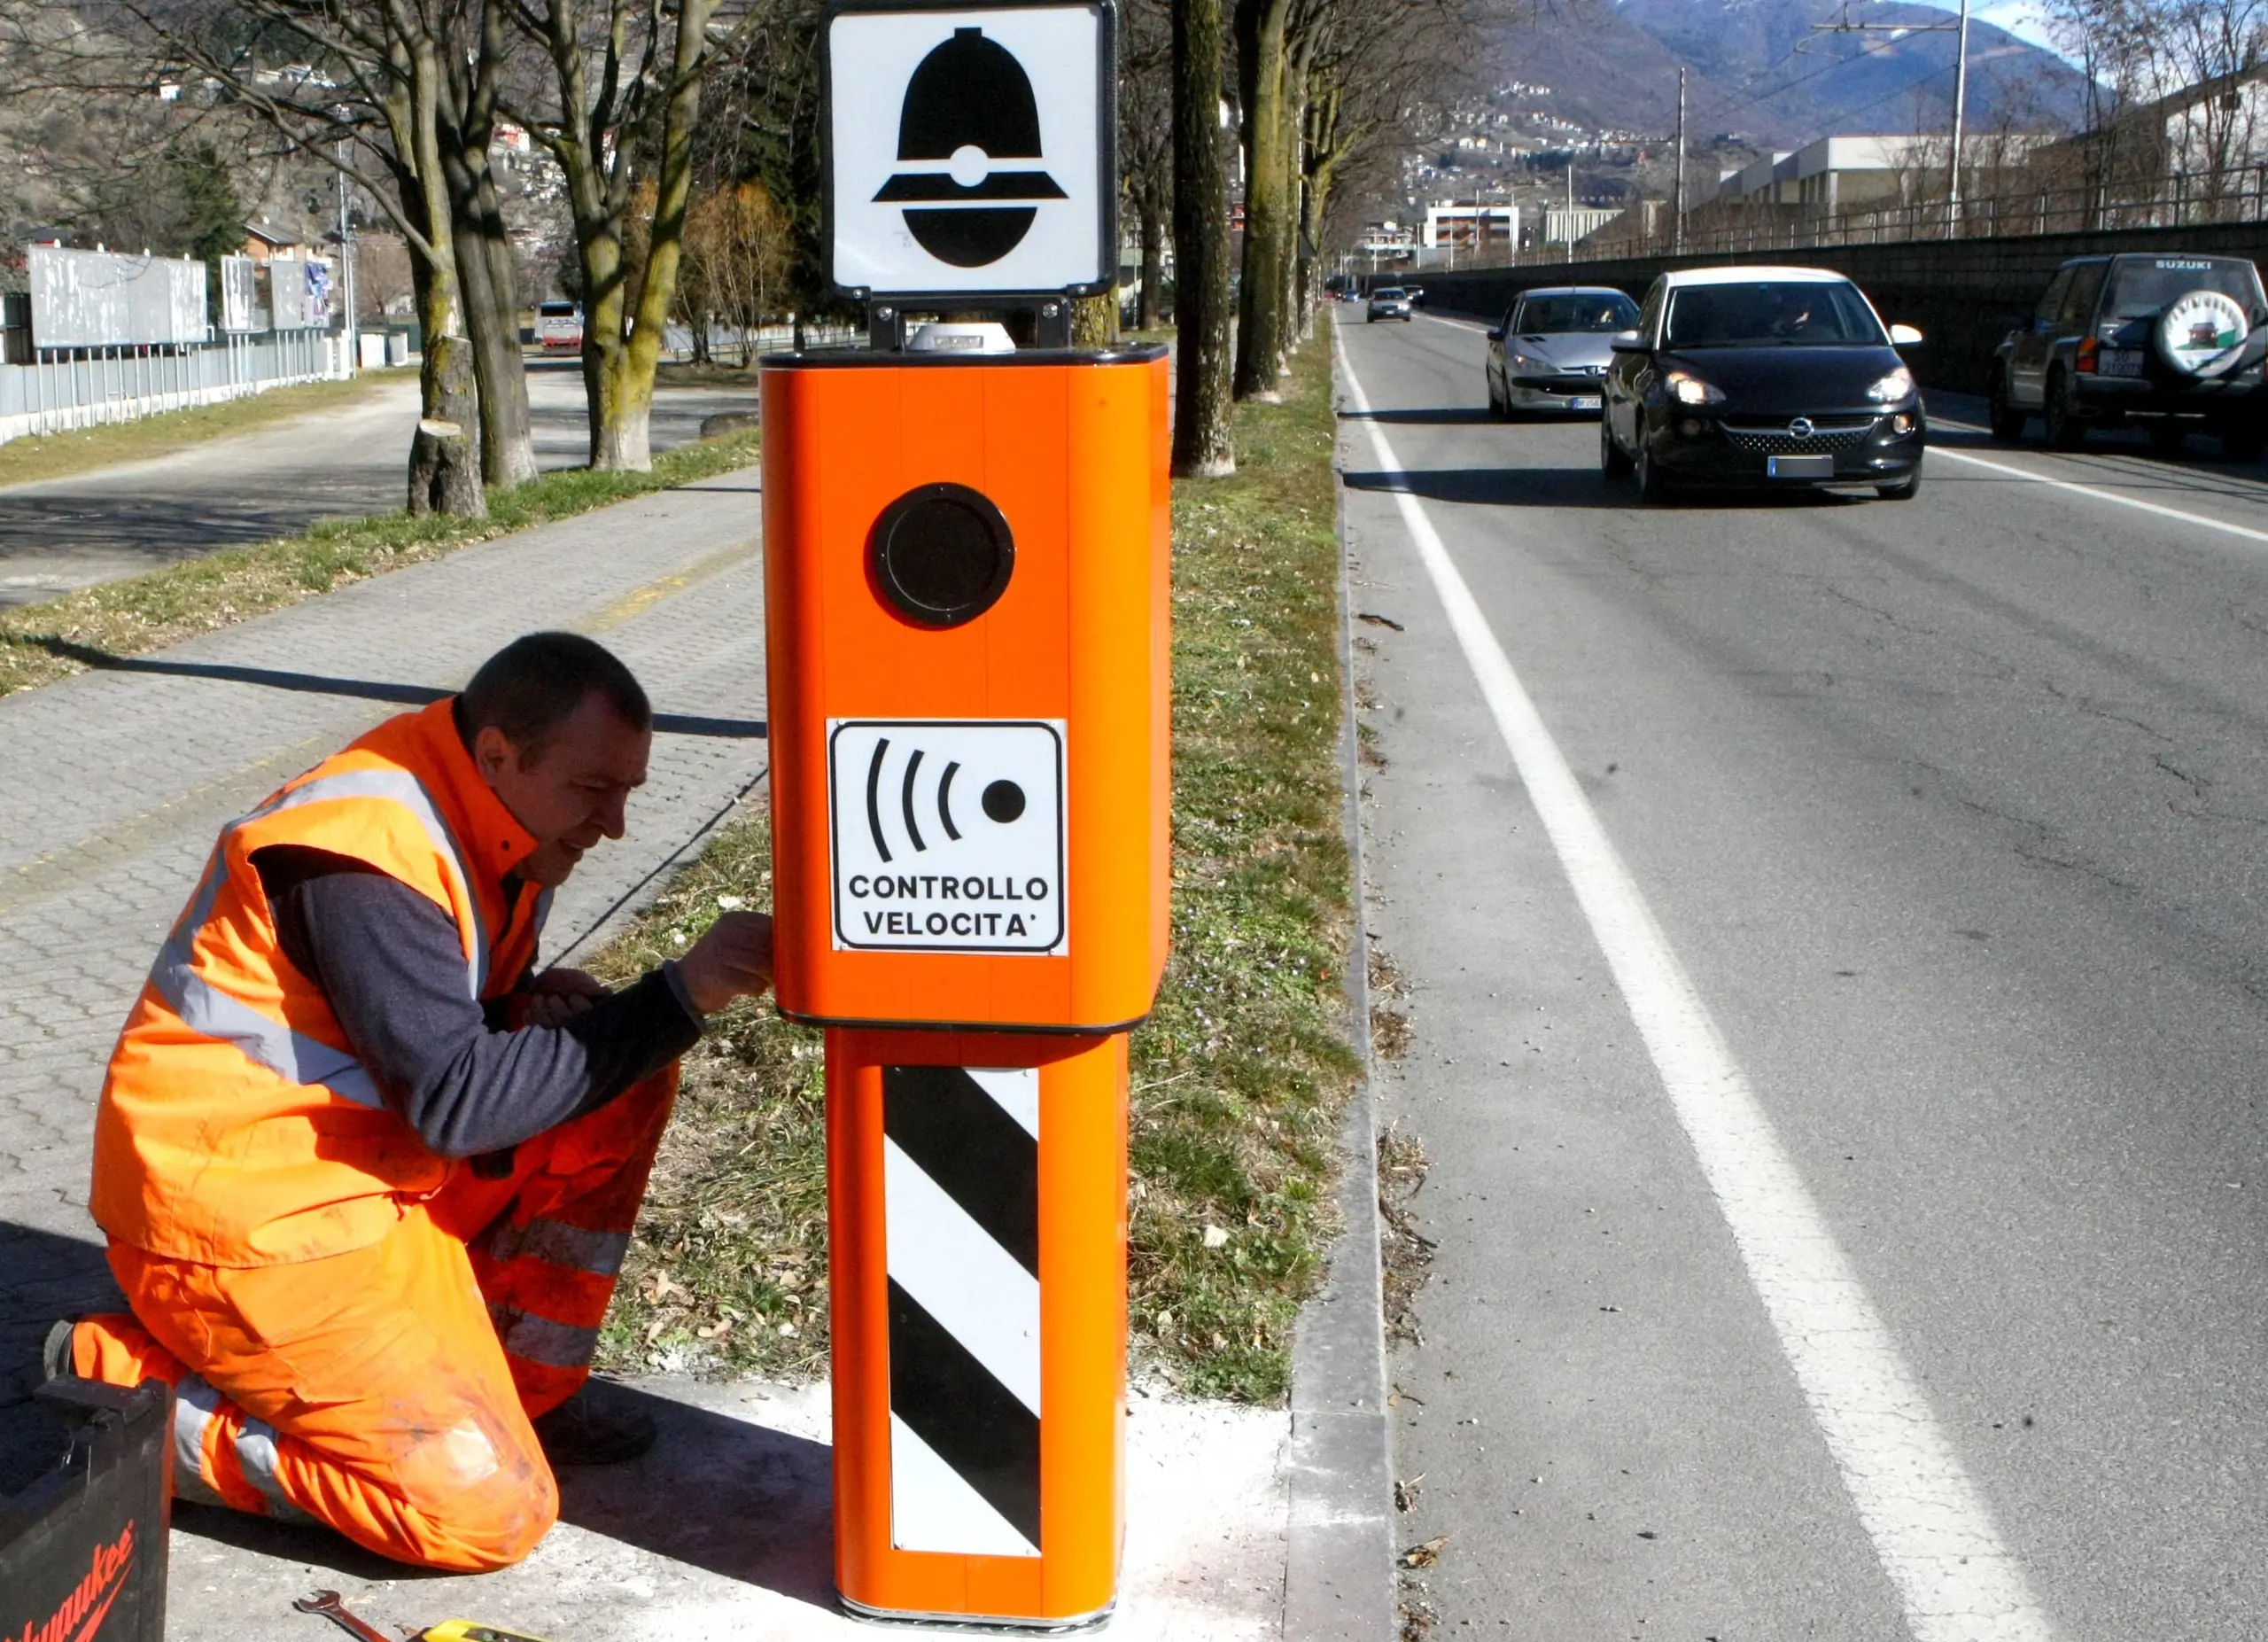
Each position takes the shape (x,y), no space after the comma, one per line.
(971,149)
(947,836)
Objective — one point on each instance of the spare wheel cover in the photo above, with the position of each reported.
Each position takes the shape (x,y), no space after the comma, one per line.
(2201,334)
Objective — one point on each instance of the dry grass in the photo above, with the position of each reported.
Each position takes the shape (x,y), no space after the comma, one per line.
(56,637)
(1240,1077)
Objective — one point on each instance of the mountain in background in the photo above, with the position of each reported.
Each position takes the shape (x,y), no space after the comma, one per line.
(1757,72)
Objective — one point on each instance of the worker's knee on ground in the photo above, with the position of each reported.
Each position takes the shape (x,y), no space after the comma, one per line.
(486,1500)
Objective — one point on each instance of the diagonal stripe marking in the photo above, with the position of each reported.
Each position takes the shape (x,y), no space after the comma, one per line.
(932,1508)
(960,1276)
(1931,1527)
(978,1153)
(1014,1090)
(990,1439)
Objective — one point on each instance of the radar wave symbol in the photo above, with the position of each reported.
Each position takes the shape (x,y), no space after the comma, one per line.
(1002,801)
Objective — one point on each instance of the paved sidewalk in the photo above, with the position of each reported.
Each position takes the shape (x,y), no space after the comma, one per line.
(117,781)
(62,534)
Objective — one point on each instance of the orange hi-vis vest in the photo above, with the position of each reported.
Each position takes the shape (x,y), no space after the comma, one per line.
(236,1126)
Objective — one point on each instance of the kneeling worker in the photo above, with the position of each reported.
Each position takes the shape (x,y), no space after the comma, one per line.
(368,1178)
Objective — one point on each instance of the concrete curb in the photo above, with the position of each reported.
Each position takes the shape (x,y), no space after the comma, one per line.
(1338,1579)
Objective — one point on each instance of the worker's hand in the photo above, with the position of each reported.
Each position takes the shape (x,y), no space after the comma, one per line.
(557,996)
(734,960)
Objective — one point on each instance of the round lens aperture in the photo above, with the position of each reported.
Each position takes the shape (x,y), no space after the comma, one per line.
(943,555)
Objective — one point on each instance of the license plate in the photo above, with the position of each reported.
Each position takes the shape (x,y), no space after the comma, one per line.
(1800,467)
(2120,361)
(1581,403)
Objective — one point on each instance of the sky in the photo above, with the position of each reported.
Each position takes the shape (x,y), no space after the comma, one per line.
(2020,17)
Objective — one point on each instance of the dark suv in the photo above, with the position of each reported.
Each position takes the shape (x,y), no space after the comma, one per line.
(2171,343)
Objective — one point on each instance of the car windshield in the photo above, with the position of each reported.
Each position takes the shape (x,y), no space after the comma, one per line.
(2142,288)
(1806,314)
(1590,311)
(1392,293)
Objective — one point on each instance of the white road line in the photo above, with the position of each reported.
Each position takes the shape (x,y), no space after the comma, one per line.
(2200,519)
(1929,1526)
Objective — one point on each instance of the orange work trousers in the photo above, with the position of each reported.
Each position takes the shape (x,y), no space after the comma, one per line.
(387,1391)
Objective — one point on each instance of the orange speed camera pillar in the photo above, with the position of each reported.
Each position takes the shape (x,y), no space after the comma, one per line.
(965,529)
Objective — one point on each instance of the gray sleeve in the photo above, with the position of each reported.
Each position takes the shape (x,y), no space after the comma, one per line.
(391,965)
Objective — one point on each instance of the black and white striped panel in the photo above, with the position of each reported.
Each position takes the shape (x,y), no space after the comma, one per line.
(960,1212)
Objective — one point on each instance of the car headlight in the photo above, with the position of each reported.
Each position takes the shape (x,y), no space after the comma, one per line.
(1524,362)
(1896,385)
(1688,389)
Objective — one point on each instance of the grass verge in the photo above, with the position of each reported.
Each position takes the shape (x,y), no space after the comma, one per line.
(1241,1075)
(59,456)
(44,642)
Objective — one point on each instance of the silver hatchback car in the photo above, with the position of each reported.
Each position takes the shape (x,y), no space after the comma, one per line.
(1550,354)
(1388,302)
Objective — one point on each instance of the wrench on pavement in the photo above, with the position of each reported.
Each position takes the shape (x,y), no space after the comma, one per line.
(327,1604)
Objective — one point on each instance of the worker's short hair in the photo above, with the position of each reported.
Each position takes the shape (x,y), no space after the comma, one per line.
(533,685)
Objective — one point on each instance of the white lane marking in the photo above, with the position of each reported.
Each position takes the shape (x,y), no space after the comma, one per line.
(1929,1526)
(2200,519)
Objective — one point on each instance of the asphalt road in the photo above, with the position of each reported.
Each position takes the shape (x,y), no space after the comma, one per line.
(1833,940)
(116,522)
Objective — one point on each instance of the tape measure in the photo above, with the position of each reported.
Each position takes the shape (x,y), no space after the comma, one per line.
(469,1630)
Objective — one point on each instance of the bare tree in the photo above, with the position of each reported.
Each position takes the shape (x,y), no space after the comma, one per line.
(617,111)
(737,251)
(380,88)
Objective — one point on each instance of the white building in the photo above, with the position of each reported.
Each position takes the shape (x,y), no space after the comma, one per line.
(1836,173)
(1564,225)
(1469,227)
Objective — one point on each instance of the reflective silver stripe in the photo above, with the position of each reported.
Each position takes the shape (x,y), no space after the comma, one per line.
(292,1056)
(195,1403)
(205,1008)
(540,1340)
(399,787)
(557,1243)
(256,1453)
(542,911)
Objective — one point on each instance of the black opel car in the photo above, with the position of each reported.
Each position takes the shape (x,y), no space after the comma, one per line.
(1765,377)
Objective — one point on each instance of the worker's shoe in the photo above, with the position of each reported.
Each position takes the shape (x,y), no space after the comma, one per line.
(603,1424)
(55,1354)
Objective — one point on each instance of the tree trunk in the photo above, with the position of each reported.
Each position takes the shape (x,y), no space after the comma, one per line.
(492,332)
(1267,198)
(623,443)
(464,125)
(1148,310)
(1203,446)
(444,463)
(514,432)
(1094,321)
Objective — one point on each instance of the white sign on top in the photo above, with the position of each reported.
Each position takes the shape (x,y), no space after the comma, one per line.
(971,149)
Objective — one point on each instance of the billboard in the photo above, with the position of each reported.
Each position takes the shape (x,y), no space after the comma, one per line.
(240,305)
(298,293)
(101,299)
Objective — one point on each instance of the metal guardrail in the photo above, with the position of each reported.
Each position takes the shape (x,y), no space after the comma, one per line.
(2236,195)
(87,387)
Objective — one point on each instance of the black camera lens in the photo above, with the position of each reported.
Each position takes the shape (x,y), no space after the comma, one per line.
(943,555)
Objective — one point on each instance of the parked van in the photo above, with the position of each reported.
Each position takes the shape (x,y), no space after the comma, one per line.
(559,327)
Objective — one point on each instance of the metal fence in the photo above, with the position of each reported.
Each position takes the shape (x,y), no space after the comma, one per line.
(2239,194)
(96,385)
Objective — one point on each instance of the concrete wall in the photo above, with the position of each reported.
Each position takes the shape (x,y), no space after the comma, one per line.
(1964,294)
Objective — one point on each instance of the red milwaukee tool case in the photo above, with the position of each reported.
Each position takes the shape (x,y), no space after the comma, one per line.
(82,1550)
